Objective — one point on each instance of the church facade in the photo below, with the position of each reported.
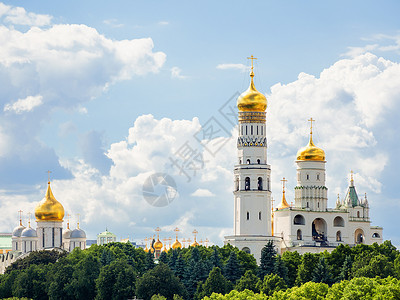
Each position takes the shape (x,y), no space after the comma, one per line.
(308,225)
(48,235)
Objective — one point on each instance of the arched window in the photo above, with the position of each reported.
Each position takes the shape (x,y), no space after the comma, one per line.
(299,235)
(338,222)
(258,161)
(318,176)
(246,249)
(259,184)
(259,215)
(257,130)
(247,183)
(338,236)
(318,204)
(308,177)
(358,214)
(246,129)
(251,129)
(237,183)
(248,216)
(262,130)
(240,161)
(299,220)
(376,235)
(248,161)
(308,205)
(268,184)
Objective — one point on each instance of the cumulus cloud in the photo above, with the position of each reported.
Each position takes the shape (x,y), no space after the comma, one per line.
(239,67)
(39,67)
(202,193)
(22,105)
(19,16)
(346,128)
(176,73)
(376,43)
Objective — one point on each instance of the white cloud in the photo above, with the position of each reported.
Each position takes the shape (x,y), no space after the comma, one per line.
(202,193)
(381,43)
(113,23)
(19,16)
(23,105)
(176,73)
(346,128)
(239,67)
(44,61)
(163,23)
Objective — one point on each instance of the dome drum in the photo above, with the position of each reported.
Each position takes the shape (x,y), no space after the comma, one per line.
(252,117)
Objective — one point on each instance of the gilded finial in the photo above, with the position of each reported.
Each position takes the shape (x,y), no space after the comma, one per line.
(284,203)
(311,120)
(68,215)
(252,67)
(29,219)
(351,177)
(20,217)
(195,232)
(48,177)
(78,215)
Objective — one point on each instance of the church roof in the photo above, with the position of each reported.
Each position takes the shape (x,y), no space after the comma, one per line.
(351,198)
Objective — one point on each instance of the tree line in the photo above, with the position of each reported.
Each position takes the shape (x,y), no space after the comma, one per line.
(121,271)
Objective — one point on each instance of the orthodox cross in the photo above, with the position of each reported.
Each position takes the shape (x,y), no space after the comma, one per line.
(283,183)
(311,120)
(252,59)
(29,218)
(20,217)
(272,200)
(195,232)
(48,176)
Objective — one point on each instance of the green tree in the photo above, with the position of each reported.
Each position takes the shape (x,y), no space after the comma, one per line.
(160,280)
(116,281)
(248,281)
(173,256)
(107,257)
(337,257)
(292,261)
(305,270)
(322,272)
(345,271)
(31,283)
(158,297)
(309,290)
(235,295)
(267,263)
(215,259)
(215,283)
(180,267)
(42,257)
(280,268)
(378,265)
(232,270)
(196,271)
(149,261)
(163,257)
(247,262)
(59,276)
(6,283)
(271,283)
(83,283)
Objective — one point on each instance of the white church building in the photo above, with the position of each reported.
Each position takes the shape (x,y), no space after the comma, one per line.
(308,225)
(48,235)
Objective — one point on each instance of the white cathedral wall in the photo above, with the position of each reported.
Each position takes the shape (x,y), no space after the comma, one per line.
(51,239)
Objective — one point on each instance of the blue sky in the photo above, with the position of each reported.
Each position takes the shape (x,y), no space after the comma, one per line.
(103,94)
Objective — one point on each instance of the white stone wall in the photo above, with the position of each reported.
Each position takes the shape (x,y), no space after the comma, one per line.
(49,234)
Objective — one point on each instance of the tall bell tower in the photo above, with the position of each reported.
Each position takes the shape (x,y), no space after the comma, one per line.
(252,188)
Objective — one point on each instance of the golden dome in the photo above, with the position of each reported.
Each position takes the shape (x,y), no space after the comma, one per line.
(195,244)
(284,203)
(49,209)
(251,99)
(176,245)
(311,152)
(158,245)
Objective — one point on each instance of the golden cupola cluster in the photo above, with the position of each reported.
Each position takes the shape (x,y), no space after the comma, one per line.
(49,209)
(252,100)
(311,152)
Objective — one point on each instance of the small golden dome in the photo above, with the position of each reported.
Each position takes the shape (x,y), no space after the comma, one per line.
(195,244)
(176,245)
(49,209)
(311,152)
(284,203)
(251,99)
(158,245)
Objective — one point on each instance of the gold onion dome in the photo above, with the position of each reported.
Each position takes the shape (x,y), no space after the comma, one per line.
(251,99)
(195,244)
(176,245)
(49,209)
(158,245)
(311,152)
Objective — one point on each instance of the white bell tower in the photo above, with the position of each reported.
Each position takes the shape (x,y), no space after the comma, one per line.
(252,192)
